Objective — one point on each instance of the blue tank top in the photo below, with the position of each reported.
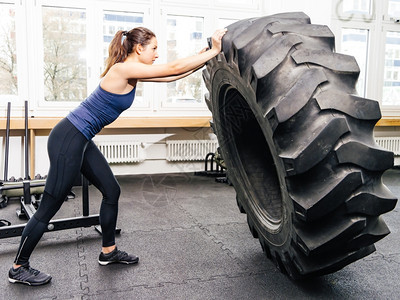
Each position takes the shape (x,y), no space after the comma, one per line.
(98,110)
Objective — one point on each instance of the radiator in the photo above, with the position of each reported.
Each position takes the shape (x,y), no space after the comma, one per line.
(121,151)
(389,143)
(190,150)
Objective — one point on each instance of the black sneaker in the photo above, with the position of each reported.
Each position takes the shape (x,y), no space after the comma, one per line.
(117,256)
(28,275)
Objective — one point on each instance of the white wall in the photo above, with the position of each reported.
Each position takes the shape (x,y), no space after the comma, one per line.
(155,148)
(318,10)
(16,160)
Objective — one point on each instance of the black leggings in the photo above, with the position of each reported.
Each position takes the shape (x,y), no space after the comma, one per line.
(70,153)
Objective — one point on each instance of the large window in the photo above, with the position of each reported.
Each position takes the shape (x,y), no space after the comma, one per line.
(64,44)
(370,31)
(8,52)
(185,37)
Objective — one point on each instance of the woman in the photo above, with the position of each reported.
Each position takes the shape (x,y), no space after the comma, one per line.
(71,149)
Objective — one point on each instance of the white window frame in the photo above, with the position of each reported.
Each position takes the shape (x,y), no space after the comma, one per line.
(42,106)
(210,16)
(343,16)
(94,36)
(378,23)
(22,57)
(162,40)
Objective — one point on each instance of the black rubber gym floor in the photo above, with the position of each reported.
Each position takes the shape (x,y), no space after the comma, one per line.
(193,243)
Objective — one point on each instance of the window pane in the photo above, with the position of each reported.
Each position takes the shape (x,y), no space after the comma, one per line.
(394,8)
(64,42)
(114,21)
(355,43)
(357,6)
(8,59)
(391,86)
(184,38)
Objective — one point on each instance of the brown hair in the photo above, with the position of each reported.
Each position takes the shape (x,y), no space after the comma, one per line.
(123,43)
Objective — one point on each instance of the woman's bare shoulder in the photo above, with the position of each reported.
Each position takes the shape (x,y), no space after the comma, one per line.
(123,68)
(118,70)
(115,81)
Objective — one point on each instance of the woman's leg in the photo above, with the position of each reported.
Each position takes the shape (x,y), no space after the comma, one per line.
(96,169)
(66,146)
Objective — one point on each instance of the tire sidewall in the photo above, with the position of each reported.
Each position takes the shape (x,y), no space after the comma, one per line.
(278,236)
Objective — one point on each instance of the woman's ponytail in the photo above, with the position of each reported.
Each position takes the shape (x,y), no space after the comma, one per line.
(116,51)
(122,45)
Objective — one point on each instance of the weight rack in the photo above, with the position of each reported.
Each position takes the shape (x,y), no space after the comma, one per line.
(28,209)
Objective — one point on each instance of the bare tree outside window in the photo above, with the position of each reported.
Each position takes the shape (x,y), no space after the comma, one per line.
(8,56)
(64,43)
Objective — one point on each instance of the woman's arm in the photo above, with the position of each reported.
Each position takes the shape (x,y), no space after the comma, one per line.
(176,77)
(141,71)
(168,78)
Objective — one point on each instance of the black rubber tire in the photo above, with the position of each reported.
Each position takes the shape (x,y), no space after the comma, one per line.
(298,143)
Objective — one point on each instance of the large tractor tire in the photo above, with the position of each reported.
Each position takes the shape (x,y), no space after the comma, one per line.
(298,143)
